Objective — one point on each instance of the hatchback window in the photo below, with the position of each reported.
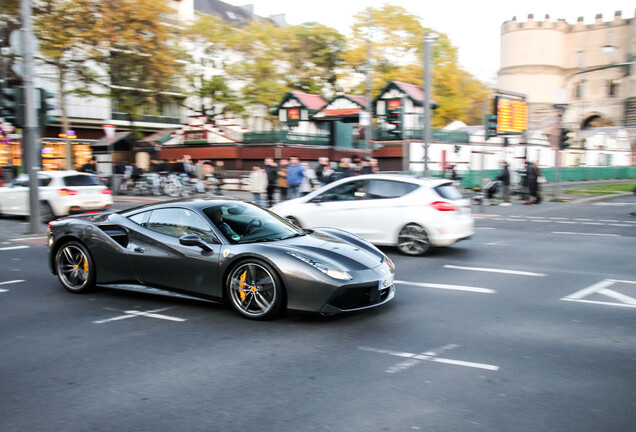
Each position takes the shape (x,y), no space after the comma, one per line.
(353,190)
(82,180)
(448,191)
(23,181)
(379,189)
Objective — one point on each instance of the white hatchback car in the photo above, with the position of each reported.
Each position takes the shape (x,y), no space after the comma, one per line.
(60,193)
(391,210)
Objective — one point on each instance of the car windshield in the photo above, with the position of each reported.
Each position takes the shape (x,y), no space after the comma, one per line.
(247,223)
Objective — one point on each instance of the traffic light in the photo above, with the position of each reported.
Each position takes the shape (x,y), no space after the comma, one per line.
(44,118)
(12,108)
(491,125)
(564,139)
(394,117)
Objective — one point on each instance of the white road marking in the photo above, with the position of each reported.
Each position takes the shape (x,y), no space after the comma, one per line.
(415,359)
(449,287)
(539,220)
(602,289)
(567,222)
(618,225)
(607,220)
(149,314)
(493,270)
(585,234)
(558,218)
(536,217)
(29,238)
(12,282)
(584,220)
(591,223)
(8,283)
(13,248)
(617,204)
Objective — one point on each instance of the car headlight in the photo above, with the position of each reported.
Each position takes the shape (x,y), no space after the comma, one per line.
(327,269)
(386,260)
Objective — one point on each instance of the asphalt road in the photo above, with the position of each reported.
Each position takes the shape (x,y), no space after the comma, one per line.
(529,326)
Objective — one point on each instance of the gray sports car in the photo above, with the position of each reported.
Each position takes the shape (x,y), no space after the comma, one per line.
(221,249)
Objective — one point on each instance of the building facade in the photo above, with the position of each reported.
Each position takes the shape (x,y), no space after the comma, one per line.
(586,66)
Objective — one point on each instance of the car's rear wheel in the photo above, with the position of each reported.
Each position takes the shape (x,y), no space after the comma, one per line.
(413,240)
(255,290)
(46,212)
(75,267)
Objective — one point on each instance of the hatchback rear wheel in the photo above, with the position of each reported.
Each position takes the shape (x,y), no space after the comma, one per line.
(413,240)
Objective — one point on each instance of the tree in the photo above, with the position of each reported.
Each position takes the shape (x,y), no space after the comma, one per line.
(397,50)
(314,53)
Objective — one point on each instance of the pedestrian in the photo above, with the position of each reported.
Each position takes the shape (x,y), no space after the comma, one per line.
(90,166)
(531,184)
(365,166)
(257,183)
(295,176)
(322,163)
(504,178)
(219,174)
(345,169)
(271,169)
(281,183)
(310,181)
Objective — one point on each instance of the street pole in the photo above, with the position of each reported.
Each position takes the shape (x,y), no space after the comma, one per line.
(369,126)
(560,110)
(428,42)
(30,135)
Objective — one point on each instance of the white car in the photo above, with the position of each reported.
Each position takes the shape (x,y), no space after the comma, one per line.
(60,193)
(391,210)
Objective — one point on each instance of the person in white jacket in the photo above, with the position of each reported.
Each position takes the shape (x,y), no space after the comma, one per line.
(257,183)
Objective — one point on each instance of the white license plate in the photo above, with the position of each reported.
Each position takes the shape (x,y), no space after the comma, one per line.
(386,282)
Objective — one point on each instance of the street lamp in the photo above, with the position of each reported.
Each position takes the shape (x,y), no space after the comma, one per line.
(426,131)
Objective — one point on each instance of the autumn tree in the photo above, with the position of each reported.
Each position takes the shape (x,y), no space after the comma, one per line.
(396,39)
(207,87)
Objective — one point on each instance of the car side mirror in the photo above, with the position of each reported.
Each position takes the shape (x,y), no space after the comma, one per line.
(194,240)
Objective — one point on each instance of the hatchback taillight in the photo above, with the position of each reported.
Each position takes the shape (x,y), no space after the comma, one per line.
(106,191)
(67,192)
(444,206)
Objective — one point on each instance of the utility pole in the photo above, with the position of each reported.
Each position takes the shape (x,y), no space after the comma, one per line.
(369,108)
(30,137)
(428,45)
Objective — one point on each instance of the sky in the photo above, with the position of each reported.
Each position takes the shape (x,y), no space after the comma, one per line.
(473,26)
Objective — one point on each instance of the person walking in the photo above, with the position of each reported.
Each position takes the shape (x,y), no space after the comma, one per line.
(281,183)
(271,169)
(257,183)
(219,174)
(295,176)
(310,181)
(531,182)
(504,178)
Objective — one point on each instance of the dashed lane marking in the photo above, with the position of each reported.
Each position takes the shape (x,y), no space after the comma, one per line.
(585,234)
(13,248)
(449,287)
(494,270)
(9,283)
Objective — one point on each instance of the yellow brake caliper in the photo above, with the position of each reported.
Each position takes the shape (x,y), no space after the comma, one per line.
(242,285)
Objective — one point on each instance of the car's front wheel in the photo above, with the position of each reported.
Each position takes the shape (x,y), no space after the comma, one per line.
(254,289)
(75,267)
(413,240)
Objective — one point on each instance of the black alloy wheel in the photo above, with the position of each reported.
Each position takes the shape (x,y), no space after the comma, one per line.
(255,290)
(75,267)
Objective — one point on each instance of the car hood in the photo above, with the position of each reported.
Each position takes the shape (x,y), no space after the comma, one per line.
(333,250)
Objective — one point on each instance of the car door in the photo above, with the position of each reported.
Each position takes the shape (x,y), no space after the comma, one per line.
(338,207)
(14,198)
(384,209)
(159,260)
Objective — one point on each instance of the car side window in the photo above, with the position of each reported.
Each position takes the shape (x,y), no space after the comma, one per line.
(140,218)
(177,222)
(349,191)
(383,189)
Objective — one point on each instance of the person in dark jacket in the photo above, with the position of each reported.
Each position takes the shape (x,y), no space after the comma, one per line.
(531,183)
(504,178)
(271,169)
